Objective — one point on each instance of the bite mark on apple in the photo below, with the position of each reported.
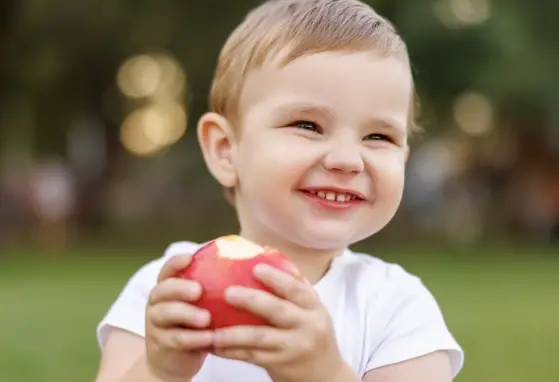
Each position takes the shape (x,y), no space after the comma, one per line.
(236,248)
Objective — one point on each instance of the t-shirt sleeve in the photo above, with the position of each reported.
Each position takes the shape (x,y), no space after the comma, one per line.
(415,328)
(128,311)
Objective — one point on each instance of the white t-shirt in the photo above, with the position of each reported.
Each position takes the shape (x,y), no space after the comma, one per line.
(382,315)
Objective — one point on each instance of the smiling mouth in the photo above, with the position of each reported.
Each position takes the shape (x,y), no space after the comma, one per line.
(334,196)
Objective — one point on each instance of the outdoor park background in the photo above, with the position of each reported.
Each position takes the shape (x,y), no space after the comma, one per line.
(100,170)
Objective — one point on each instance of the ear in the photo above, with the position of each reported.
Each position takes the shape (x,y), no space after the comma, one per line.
(216,140)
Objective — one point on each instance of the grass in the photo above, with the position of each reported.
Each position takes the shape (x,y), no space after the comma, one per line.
(503,310)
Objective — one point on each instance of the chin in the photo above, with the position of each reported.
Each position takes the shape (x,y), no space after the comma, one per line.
(337,235)
(325,240)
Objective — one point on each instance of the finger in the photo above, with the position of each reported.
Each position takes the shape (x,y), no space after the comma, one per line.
(173,265)
(257,337)
(175,289)
(186,340)
(299,292)
(175,313)
(275,310)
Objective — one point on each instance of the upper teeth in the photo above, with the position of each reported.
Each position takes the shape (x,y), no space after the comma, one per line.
(337,196)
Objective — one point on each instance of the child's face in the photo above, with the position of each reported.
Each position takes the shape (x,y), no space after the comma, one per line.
(330,122)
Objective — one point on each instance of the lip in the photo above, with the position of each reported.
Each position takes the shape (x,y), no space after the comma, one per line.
(360,196)
(332,205)
(309,194)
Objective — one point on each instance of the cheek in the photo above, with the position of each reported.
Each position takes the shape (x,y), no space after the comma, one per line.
(390,179)
(269,164)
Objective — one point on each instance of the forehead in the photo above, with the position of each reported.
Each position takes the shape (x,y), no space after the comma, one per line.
(349,85)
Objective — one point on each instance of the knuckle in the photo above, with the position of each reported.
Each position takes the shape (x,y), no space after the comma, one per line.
(156,318)
(322,327)
(302,294)
(178,312)
(153,338)
(159,310)
(159,292)
(176,341)
(250,356)
(153,294)
(149,315)
(166,285)
(255,296)
(294,289)
(306,347)
(188,289)
(188,314)
(164,313)
(259,337)
(281,311)
(308,297)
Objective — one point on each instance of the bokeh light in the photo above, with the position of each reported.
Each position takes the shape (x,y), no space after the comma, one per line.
(462,13)
(161,120)
(147,131)
(139,76)
(473,113)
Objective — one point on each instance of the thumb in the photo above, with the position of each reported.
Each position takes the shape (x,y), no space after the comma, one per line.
(174,265)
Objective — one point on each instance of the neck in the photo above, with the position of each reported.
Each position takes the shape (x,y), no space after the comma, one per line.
(312,263)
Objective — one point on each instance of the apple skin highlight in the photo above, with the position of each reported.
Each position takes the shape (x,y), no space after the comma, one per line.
(228,261)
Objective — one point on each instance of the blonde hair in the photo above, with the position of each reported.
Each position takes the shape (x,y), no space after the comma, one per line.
(295,28)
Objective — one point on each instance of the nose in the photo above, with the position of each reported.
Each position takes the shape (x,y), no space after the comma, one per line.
(344,157)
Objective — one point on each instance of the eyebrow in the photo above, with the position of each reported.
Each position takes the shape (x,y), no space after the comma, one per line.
(304,107)
(389,123)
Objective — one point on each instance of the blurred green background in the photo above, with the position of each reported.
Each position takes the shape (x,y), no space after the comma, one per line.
(100,170)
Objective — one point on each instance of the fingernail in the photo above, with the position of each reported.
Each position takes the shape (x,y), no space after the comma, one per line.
(194,288)
(260,269)
(233,294)
(202,317)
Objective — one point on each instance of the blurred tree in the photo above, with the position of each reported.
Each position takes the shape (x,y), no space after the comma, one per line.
(60,59)
(66,53)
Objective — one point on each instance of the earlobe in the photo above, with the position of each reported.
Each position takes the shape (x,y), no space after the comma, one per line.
(216,140)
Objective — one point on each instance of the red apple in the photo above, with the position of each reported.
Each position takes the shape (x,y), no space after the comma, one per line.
(227,261)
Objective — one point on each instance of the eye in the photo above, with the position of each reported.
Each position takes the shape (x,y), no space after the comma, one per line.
(305,125)
(378,137)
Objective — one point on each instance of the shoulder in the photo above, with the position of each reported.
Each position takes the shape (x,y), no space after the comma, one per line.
(383,288)
(371,274)
(387,289)
(404,320)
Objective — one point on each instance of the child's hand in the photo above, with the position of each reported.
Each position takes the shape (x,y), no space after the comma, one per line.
(174,352)
(300,346)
